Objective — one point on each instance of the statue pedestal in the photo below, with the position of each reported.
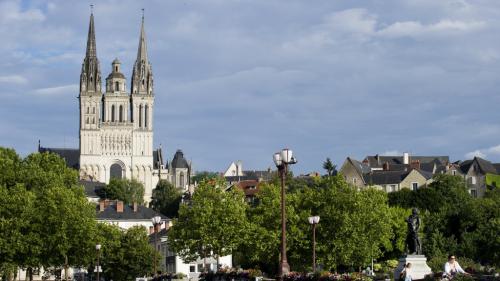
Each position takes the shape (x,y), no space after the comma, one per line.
(419,267)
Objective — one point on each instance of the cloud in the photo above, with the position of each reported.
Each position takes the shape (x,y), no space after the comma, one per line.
(13,79)
(417,29)
(58,90)
(483,153)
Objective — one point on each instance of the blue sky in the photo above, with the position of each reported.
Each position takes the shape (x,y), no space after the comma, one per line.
(238,80)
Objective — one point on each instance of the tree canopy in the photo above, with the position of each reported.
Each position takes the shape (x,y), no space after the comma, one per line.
(128,191)
(166,199)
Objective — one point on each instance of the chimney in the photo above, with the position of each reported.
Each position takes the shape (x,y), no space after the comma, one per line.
(119,206)
(385,167)
(134,205)
(378,159)
(415,164)
(101,205)
(151,230)
(406,158)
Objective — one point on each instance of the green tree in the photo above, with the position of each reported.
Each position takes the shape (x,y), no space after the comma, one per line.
(205,175)
(213,224)
(10,164)
(166,199)
(128,191)
(329,166)
(41,170)
(125,254)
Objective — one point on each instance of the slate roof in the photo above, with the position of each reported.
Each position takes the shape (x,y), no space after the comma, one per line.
(378,160)
(158,159)
(483,165)
(93,188)
(497,167)
(71,156)
(362,168)
(143,213)
(179,161)
(384,177)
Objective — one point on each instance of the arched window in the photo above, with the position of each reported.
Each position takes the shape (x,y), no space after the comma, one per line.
(146,116)
(113,113)
(117,86)
(116,68)
(87,110)
(93,120)
(87,120)
(181,180)
(140,115)
(121,113)
(93,109)
(115,171)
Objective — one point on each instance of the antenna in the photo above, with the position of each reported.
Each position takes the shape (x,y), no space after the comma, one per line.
(91,8)
(142,14)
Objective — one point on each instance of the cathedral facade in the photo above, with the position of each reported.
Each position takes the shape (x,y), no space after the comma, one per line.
(116,124)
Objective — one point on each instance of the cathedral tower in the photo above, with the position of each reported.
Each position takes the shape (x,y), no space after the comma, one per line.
(116,129)
(90,97)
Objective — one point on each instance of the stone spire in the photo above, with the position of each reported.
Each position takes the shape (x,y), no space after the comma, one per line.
(90,78)
(142,75)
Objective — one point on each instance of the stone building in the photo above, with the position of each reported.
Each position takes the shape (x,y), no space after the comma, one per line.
(116,125)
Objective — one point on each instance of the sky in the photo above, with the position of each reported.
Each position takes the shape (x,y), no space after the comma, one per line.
(242,79)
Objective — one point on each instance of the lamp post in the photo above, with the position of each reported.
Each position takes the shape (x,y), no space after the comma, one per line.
(314,220)
(282,159)
(98,248)
(156,220)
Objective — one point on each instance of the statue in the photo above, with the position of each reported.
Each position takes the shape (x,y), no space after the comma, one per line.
(412,240)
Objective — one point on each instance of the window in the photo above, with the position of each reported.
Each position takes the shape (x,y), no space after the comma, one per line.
(454,172)
(116,68)
(93,120)
(473,180)
(87,120)
(140,115)
(192,268)
(87,110)
(146,116)
(117,86)
(354,180)
(93,110)
(473,193)
(113,113)
(181,180)
(200,267)
(414,186)
(121,113)
(393,187)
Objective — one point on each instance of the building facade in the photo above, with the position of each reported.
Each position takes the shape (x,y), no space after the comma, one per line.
(116,126)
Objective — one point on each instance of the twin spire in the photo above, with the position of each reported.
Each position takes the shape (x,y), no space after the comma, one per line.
(142,75)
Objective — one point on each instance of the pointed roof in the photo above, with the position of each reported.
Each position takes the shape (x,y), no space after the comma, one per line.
(91,48)
(142,51)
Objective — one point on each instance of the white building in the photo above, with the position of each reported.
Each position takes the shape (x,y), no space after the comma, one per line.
(116,125)
(172,263)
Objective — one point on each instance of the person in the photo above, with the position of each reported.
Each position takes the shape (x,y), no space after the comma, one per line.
(452,268)
(406,273)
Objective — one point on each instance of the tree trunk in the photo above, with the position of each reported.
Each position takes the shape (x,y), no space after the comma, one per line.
(29,274)
(66,267)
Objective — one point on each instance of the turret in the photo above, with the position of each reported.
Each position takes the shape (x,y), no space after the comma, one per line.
(142,74)
(90,77)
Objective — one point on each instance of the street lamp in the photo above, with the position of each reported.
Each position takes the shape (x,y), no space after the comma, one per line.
(282,159)
(314,220)
(98,248)
(156,220)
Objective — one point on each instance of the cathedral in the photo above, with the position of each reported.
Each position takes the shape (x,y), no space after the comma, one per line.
(116,126)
